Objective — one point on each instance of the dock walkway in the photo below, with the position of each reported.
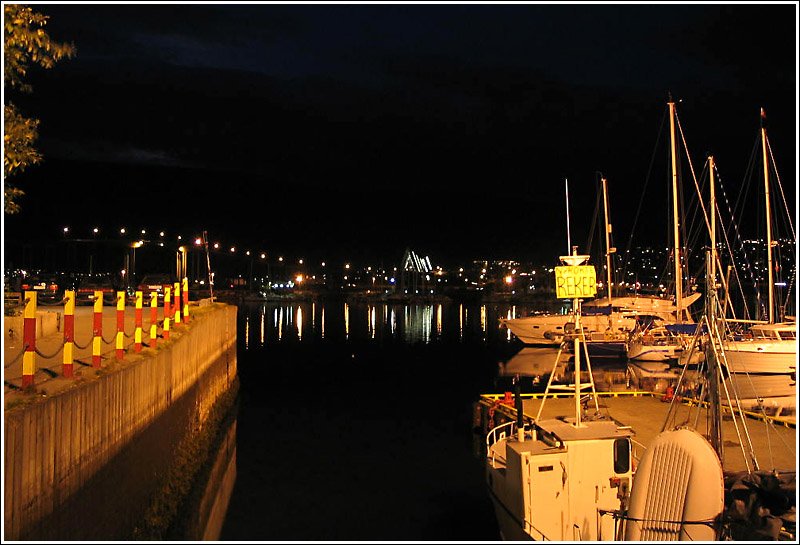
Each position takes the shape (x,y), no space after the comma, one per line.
(774,440)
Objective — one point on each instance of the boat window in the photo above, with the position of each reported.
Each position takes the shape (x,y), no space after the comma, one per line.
(787,334)
(622,455)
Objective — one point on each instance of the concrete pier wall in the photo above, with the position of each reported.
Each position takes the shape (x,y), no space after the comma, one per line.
(57,447)
(47,323)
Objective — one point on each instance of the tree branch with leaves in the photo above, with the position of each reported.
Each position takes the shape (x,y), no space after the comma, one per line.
(26,44)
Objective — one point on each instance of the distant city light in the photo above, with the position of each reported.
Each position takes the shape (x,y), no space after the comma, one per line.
(198,242)
(122,231)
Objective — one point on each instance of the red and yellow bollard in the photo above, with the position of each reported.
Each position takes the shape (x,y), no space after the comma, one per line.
(69,333)
(167,301)
(120,345)
(29,338)
(153,319)
(137,321)
(97,328)
(185,294)
(177,305)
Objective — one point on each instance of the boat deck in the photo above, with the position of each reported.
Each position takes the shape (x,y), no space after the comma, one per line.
(774,440)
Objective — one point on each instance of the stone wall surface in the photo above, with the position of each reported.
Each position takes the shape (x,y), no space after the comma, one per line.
(57,445)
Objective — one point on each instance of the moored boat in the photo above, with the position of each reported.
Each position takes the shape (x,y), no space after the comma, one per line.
(575,477)
(767,348)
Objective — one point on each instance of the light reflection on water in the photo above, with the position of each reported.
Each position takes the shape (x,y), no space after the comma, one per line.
(300,323)
(419,323)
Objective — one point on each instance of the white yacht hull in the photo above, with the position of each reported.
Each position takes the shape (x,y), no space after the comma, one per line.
(643,352)
(761,357)
(548,329)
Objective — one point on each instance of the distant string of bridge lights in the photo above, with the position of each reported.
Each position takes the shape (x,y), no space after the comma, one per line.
(138,240)
(196,241)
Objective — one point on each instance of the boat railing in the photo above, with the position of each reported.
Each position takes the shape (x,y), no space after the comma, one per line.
(637,449)
(498,433)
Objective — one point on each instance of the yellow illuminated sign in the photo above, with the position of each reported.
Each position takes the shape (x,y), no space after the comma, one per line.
(576,281)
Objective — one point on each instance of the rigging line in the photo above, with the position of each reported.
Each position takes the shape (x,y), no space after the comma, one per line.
(682,203)
(672,412)
(743,250)
(789,291)
(780,186)
(694,179)
(735,395)
(593,228)
(695,232)
(778,435)
(766,428)
(644,191)
(742,198)
(723,280)
(716,338)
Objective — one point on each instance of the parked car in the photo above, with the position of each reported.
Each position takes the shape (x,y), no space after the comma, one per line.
(48,286)
(153,283)
(89,284)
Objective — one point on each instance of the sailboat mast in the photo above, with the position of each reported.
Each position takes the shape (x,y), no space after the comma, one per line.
(769,218)
(676,232)
(608,234)
(713,206)
(566,193)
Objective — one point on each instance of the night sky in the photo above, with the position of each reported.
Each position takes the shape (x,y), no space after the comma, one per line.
(360,130)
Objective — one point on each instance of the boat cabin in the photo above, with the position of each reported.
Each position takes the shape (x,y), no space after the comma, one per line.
(560,482)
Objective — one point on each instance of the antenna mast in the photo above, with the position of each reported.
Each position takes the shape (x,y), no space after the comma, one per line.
(566,190)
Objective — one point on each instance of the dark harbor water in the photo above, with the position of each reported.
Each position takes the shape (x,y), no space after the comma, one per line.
(355,420)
